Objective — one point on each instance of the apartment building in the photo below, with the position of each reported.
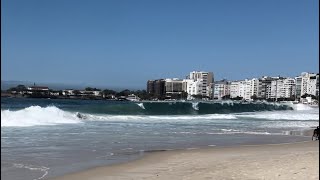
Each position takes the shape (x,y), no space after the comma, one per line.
(156,87)
(288,90)
(173,86)
(298,82)
(234,89)
(221,89)
(207,81)
(192,87)
(309,83)
(283,88)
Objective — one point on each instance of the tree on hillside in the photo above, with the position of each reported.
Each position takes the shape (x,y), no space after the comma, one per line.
(21,87)
(76,92)
(92,89)
(18,88)
(108,91)
(125,92)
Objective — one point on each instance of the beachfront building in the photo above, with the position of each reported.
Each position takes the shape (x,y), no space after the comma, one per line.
(221,89)
(90,93)
(283,88)
(276,87)
(250,88)
(68,92)
(206,78)
(150,87)
(288,90)
(264,89)
(242,88)
(38,88)
(43,90)
(298,81)
(309,83)
(133,97)
(156,87)
(246,89)
(192,87)
(317,85)
(173,86)
(234,89)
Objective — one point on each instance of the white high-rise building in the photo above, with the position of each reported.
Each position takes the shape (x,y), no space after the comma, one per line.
(192,87)
(309,83)
(282,88)
(242,88)
(251,87)
(254,87)
(264,89)
(245,88)
(206,78)
(221,89)
(276,87)
(288,90)
(234,89)
(298,83)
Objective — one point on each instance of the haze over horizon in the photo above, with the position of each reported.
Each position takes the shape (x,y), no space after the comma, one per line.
(125,43)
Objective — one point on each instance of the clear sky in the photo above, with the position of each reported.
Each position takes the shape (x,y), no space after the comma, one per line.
(124,43)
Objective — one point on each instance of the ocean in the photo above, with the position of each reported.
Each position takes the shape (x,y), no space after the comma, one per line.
(45,138)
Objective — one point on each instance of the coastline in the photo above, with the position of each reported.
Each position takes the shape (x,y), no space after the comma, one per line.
(298,160)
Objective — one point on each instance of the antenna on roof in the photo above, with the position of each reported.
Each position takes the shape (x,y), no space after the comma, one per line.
(34,84)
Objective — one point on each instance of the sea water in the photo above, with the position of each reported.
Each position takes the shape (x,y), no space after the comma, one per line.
(43,138)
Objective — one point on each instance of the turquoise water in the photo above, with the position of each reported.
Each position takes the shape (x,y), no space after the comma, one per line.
(42,138)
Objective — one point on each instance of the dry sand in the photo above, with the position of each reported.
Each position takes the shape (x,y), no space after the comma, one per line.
(280,161)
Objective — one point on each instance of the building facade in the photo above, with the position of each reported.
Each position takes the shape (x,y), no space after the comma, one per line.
(206,78)
(156,87)
(173,86)
(221,89)
(309,83)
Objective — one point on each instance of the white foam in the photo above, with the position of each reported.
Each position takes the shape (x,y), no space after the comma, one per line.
(195,106)
(301,107)
(34,168)
(141,105)
(36,115)
(243,132)
(282,115)
(289,124)
(160,118)
(196,117)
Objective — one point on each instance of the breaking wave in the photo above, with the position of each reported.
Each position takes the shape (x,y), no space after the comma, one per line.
(36,115)
(195,106)
(52,115)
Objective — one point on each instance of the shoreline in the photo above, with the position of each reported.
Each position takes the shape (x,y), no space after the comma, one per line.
(298,160)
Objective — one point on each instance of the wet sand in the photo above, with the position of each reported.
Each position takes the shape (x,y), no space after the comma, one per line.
(277,161)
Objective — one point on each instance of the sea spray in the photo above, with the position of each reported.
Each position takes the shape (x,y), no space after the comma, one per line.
(141,105)
(195,106)
(36,115)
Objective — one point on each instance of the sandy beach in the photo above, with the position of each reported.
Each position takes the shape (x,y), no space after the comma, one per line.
(274,161)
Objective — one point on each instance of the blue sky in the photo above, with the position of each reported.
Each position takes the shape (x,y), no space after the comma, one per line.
(123,43)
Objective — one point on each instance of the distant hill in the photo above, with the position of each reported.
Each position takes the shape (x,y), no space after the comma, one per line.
(57,86)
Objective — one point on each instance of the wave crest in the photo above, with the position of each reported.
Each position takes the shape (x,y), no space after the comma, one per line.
(36,115)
